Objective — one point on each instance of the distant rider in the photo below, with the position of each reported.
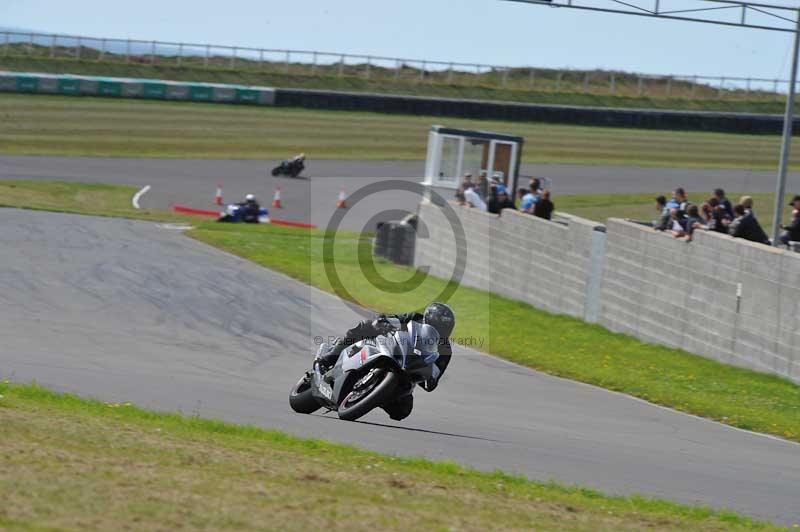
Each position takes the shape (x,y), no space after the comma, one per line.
(250,209)
(438,315)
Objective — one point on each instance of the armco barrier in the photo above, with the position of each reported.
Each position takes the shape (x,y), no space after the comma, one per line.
(385,103)
(719,297)
(72,85)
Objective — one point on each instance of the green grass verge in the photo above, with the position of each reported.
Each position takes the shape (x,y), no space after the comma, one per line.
(569,91)
(72,126)
(71,463)
(97,199)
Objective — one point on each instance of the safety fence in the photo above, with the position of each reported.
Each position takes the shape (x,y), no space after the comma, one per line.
(384,69)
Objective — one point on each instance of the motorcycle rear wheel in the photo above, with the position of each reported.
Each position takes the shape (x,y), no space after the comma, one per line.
(369,392)
(300,398)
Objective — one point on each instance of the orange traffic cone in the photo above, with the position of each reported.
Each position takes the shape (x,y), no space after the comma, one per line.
(218,196)
(276,200)
(341,203)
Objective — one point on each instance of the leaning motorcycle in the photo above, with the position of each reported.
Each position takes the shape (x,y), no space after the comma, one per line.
(235,213)
(292,167)
(370,373)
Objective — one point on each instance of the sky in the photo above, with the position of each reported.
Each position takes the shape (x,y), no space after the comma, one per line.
(484,31)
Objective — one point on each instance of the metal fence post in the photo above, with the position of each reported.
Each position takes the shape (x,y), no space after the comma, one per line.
(694,87)
(586,83)
(261,58)
(288,60)
(208,53)
(612,83)
(77,48)
(531,79)
(52,46)
(128,51)
(559,77)
(341,66)
(505,76)
(232,61)
(314,64)
(7,47)
(721,87)
(747,89)
(669,86)
(640,86)
(180,54)
(398,66)
(102,55)
(153,53)
(450,75)
(422,71)
(367,67)
(476,80)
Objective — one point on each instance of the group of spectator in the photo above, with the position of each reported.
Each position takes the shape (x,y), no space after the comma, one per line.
(492,196)
(681,217)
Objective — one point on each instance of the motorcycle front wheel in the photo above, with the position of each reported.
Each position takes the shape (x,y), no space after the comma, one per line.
(300,398)
(373,389)
(276,171)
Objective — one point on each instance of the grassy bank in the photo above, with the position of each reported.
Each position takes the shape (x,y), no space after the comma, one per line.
(70,463)
(81,198)
(62,125)
(564,346)
(568,91)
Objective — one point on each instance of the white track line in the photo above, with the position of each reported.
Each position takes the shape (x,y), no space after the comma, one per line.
(138,195)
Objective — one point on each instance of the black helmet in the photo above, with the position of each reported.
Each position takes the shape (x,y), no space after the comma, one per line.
(441,317)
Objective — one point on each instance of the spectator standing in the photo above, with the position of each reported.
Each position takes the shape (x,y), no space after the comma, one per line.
(792,231)
(719,195)
(694,221)
(499,200)
(719,220)
(483,186)
(677,223)
(746,226)
(529,200)
(473,199)
(662,223)
(544,207)
(747,203)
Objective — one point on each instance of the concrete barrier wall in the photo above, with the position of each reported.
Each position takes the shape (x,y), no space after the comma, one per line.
(723,298)
(546,264)
(686,295)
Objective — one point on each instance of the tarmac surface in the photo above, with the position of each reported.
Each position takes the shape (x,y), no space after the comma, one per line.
(134,311)
(313,197)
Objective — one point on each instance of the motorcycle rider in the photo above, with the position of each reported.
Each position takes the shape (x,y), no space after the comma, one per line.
(438,315)
(250,209)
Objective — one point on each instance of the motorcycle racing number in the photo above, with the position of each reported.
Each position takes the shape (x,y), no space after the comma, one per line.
(326,390)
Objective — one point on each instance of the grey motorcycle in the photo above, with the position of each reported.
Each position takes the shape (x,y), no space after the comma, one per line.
(370,373)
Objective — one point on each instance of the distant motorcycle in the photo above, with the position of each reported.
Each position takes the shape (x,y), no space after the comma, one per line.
(370,373)
(292,167)
(238,212)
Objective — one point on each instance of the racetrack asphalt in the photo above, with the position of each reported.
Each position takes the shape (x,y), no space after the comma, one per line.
(135,311)
(313,199)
